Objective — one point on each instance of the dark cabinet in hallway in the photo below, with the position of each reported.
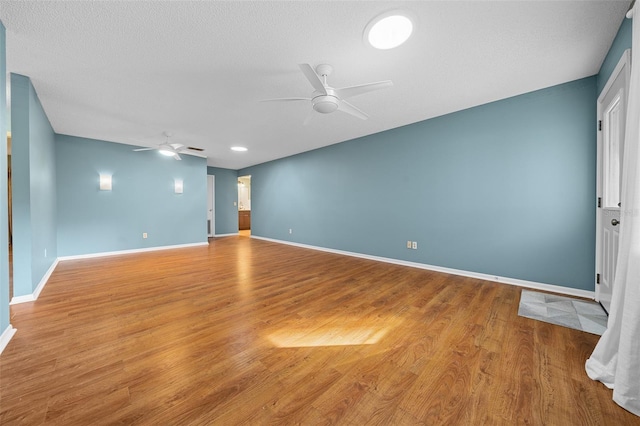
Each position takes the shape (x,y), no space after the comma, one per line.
(244,219)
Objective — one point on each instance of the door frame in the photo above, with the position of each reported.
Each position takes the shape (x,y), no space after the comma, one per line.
(624,64)
(211,192)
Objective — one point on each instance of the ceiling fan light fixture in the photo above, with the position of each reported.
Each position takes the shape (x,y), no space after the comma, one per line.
(166,152)
(389,30)
(325,104)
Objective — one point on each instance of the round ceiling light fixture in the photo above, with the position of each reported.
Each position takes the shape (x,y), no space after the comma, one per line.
(238,148)
(389,29)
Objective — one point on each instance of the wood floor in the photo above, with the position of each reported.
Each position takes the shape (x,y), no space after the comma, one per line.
(245,331)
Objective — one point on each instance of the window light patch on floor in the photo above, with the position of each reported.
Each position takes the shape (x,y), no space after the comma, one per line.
(327,337)
(347,333)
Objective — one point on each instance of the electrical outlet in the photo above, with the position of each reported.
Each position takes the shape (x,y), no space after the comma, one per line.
(144,235)
(414,245)
(408,244)
(290,231)
(45,252)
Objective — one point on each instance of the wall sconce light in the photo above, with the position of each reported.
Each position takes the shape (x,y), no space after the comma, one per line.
(178,186)
(105,182)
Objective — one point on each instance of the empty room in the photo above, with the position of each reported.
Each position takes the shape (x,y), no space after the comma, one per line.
(319,212)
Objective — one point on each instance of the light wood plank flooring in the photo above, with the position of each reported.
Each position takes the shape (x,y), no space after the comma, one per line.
(244,331)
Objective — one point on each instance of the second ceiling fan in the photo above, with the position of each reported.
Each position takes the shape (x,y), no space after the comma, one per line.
(171,149)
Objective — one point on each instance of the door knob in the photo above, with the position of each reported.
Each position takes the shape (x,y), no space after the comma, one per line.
(615,222)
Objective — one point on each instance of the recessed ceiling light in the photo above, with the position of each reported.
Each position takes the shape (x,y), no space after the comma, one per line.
(388,30)
(238,148)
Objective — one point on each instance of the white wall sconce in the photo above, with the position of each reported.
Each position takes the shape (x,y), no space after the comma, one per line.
(178,186)
(105,182)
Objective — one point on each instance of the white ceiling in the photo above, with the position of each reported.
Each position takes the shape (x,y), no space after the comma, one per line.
(126,71)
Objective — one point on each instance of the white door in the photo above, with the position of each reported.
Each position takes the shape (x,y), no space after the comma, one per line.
(211,205)
(612,108)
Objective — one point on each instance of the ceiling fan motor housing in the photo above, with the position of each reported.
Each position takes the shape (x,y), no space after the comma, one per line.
(325,103)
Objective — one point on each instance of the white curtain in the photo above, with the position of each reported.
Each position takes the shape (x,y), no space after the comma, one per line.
(615,361)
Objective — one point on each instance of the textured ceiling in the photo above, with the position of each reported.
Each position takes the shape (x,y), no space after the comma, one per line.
(126,71)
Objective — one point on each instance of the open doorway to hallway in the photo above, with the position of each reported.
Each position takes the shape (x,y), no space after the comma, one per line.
(244,205)
(9,215)
(211,206)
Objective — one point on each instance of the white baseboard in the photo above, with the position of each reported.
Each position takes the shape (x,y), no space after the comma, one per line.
(227,235)
(33,296)
(132,251)
(6,336)
(505,280)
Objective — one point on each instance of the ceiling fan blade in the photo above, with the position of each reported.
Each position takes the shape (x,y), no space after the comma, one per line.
(347,92)
(285,99)
(176,156)
(345,106)
(193,148)
(144,149)
(313,78)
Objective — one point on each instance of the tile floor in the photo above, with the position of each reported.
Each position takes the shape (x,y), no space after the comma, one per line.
(579,314)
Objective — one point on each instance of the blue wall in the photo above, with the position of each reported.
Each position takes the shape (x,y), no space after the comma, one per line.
(226,195)
(621,43)
(4,205)
(505,189)
(142,198)
(33,188)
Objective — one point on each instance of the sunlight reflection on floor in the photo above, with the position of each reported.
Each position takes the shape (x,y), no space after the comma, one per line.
(347,334)
(327,337)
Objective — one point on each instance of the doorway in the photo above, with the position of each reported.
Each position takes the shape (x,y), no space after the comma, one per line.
(612,109)
(244,205)
(211,206)
(9,216)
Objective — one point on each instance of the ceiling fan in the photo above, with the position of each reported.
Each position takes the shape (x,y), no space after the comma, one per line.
(171,149)
(326,99)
